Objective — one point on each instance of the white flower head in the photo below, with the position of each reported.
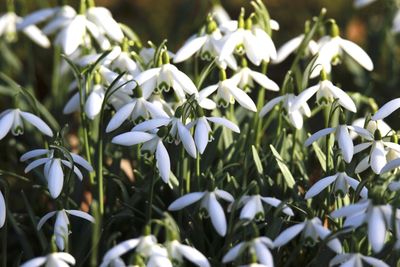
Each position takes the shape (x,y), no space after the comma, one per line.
(178,251)
(259,246)
(55,259)
(12,119)
(61,226)
(312,230)
(372,126)
(291,46)
(253,206)
(53,170)
(356,260)
(209,205)
(295,114)
(245,77)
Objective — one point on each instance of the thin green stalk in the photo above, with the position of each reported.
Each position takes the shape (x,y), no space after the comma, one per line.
(292,160)
(150,200)
(96,232)
(55,80)
(99,171)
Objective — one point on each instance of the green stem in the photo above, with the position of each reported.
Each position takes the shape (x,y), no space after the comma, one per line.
(99,171)
(150,201)
(96,232)
(293,149)
(55,80)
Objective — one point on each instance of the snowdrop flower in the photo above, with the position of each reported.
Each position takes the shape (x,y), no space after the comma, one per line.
(341,183)
(253,206)
(256,43)
(342,137)
(295,114)
(3,210)
(152,142)
(396,23)
(164,77)
(203,129)
(219,14)
(333,46)
(362,3)
(228,92)
(291,46)
(178,251)
(377,217)
(10,24)
(11,119)
(387,109)
(259,246)
(143,245)
(136,108)
(356,260)
(377,157)
(208,204)
(53,171)
(372,126)
(147,54)
(246,77)
(55,259)
(61,226)
(326,89)
(311,229)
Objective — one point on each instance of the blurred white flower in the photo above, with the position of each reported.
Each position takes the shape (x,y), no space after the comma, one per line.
(343,138)
(291,46)
(356,260)
(61,226)
(219,14)
(11,119)
(208,204)
(10,23)
(362,3)
(246,77)
(55,259)
(178,251)
(253,206)
(259,247)
(53,171)
(377,217)
(104,20)
(312,230)
(3,210)
(295,114)
(341,183)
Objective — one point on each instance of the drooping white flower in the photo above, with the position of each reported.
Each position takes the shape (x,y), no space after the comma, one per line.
(341,183)
(331,49)
(165,77)
(260,247)
(203,129)
(53,171)
(253,206)
(208,204)
(377,157)
(61,226)
(372,126)
(377,217)
(55,259)
(228,92)
(104,20)
(10,24)
(178,251)
(219,13)
(3,210)
(254,41)
(326,89)
(295,114)
(356,260)
(312,230)
(11,119)
(291,46)
(246,77)
(343,138)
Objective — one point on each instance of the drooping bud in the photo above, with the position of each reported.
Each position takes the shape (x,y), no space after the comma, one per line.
(323,76)
(165,57)
(249,22)
(333,29)
(138,92)
(241,19)
(222,74)
(211,24)
(97,77)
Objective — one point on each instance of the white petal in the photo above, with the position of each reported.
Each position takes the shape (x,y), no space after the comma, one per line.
(81,161)
(387,109)
(6,122)
(132,138)
(378,158)
(354,184)
(193,255)
(163,161)
(33,153)
(35,164)
(288,48)
(233,253)
(350,209)
(333,244)
(72,105)
(37,36)
(304,96)
(72,35)
(249,210)
(318,135)
(345,143)
(230,43)
(37,122)
(242,98)
(65,257)
(224,122)
(357,53)
(81,214)
(189,48)
(320,185)
(55,178)
(187,140)
(217,215)
(151,124)
(273,102)
(93,104)
(288,234)
(374,262)
(224,195)
(120,116)
(264,81)
(183,80)
(103,18)
(44,219)
(37,16)
(185,200)
(263,254)
(2,210)
(362,165)
(393,164)
(376,230)
(39,261)
(147,75)
(120,249)
(344,99)
(201,135)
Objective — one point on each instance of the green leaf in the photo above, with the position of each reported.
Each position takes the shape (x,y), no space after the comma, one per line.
(257,160)
(320,155)
(284,169)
